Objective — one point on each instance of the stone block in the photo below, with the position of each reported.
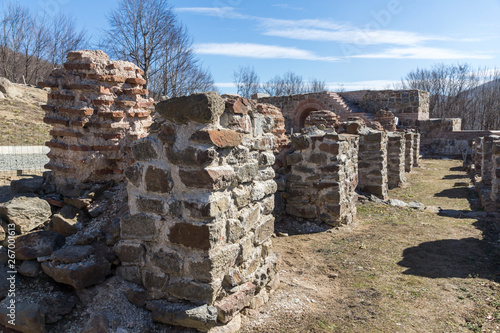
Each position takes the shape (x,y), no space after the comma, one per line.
(190,235)
(231,305)
(192,291)
(130,252)
(150,206)
(221,138)
(157,180)
(201,107)
(26,213)
(191,156)
(264,231)
(213,179)
(144,150)
(200,317)
(139,226)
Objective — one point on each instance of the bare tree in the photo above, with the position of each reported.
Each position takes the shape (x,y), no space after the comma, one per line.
(138,32)
(288,84)
(246,81)
(148,33)
(316,85)
(460,91)
(65,38)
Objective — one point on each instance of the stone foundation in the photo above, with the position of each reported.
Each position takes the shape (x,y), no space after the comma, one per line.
(201,198)
(323,177)
(396,148)
(372,164)
(97,108)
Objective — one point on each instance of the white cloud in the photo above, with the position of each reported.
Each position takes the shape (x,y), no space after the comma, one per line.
(259,51)
(422,52)
(352,36)
(362,85)
(222,12)
(286,6)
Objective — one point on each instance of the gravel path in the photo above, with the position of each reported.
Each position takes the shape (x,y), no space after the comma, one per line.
(11,162)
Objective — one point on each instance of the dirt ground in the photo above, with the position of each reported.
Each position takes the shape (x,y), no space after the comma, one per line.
(394,270)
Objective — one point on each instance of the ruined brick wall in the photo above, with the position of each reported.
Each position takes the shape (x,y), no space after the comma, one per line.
(372,164)
(386,119)
(201,197)
(396,148)
(97,107)
(408,105)
(409,151)
(325,118)
(323,177)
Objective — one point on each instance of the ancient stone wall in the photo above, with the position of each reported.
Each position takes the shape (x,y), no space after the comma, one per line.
(396,148)
(97,107)
(201,197)
(323,177)
(495,174)
(408,105)
(409,151)
(372,164)
(416,149)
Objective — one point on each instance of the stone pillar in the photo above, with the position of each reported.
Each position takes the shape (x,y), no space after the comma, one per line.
(495,175)
(201,197)
(323,177)
(386,120)
(372,164)
(487,174)
(416,150)
(97,108)
(478,161)
(487,161)
(409,151)
(396,147)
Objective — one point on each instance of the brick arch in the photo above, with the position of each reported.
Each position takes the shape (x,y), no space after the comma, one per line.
(303,109)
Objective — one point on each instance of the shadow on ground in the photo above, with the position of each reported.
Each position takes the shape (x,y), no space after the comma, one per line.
(456,177)
(460,258)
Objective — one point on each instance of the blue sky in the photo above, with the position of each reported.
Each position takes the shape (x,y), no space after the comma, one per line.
(360,44)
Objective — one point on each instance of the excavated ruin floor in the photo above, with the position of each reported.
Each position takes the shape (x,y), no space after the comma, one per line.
(396,269)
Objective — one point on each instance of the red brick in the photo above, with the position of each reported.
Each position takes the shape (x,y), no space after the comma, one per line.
(56,145)
(78,66)
(86,87)
(139,71)
(99,102)
(222,138)
(106,148)
(126,104)
(78,123)
(112,66)
(128,68)
(66,133)
(80,148)
(233,304)
(77,112)
(62,97)
(131,92)
(53,121)
(111,114)
(56,203)
(136,80)
(48,108)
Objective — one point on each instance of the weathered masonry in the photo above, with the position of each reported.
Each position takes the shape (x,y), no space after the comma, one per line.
(97,108)
(487,173)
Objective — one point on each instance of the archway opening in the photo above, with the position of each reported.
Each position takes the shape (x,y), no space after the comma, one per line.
(304,115)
